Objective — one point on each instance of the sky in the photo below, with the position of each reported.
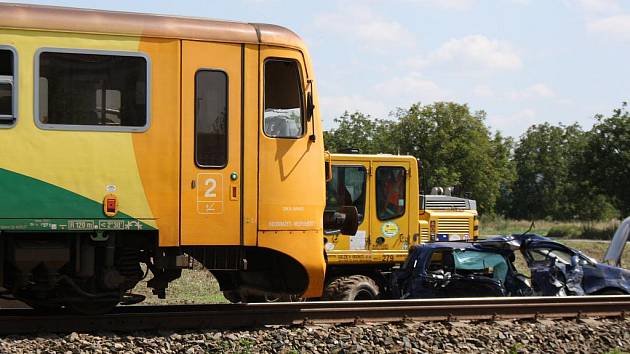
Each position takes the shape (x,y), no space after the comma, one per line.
(523,62)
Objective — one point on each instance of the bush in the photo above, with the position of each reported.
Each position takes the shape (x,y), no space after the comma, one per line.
(565,231)
(599,233)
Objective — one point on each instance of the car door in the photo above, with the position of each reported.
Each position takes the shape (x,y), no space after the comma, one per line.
(617,244)
(477,274)
(555,268)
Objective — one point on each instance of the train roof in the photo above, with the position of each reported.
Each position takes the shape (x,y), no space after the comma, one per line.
(64,19)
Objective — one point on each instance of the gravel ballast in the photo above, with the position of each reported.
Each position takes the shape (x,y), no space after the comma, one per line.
(575,336)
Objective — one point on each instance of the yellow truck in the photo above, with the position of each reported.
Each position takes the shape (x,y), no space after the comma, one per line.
(393,216)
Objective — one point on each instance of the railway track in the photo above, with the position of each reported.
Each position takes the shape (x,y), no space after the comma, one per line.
(227,316)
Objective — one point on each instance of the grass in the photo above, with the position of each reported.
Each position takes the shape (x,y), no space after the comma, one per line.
(602,230)
(195,286)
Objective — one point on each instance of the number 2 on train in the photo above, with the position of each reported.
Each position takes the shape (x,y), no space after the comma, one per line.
(211,184)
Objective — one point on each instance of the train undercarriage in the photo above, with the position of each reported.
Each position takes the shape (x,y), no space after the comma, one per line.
(92,273)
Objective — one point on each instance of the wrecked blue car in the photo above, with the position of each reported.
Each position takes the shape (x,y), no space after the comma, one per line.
(486,268)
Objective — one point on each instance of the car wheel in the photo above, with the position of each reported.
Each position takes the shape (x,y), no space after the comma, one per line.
(350,288)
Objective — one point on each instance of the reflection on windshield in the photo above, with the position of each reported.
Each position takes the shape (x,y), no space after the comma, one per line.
(283,122)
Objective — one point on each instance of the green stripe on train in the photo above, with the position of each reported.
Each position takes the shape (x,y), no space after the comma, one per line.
(27,203)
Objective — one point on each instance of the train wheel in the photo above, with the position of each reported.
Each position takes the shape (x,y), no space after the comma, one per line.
(232,296)
(92,306)
(350,288)
(44,307)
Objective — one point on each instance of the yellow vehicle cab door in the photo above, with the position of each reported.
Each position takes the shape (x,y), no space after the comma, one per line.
(211,143)
(349,186)
(390,226)
(291,172)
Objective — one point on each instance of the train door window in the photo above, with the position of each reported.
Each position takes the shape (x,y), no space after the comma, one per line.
(390,192)
(347,187)
(8,83)
(283,116)
(92,90)
(211,122)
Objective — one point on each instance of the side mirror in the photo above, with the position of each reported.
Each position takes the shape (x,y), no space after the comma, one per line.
(328,166)
(310,107)
(344,221)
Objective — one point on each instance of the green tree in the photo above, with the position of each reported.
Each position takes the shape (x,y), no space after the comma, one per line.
(455,147)
(354,130)
(605,161)
(502,154)
(544,187)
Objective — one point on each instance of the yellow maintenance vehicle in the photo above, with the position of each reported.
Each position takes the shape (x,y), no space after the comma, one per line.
(393,216)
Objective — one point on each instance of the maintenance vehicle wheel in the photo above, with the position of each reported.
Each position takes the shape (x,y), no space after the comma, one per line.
(350,288)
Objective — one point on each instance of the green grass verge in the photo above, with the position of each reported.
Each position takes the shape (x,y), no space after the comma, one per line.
(195,286)
(492,225)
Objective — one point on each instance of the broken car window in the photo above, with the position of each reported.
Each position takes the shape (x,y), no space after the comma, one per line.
(542,254)
(490,264)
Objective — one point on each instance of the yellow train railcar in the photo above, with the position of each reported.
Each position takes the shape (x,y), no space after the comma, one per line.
(130,138)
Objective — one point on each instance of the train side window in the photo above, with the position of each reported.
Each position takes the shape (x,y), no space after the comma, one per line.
(283,116)
(92,90)
(390,192)
(8,96)
(211,142)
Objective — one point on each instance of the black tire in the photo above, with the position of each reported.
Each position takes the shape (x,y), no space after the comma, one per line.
(351,288)
(611,292)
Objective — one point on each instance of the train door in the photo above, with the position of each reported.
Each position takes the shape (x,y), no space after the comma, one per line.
(291,164)
(211,143)
(349,186)
(390,227)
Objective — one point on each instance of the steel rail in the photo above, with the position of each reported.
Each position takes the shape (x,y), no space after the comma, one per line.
(229,316)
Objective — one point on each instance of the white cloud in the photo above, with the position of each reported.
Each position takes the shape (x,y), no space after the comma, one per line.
(446,4)
(361,23)
(596,7)
(515,123)
(473,53)
(332,107)
(484,91)
(380,99)
(617,26)
(534,91)
(410,89)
